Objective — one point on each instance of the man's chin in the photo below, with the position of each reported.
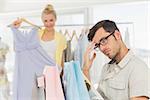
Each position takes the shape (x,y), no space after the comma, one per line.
(109,56)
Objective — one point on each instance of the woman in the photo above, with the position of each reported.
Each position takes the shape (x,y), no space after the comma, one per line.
(53,42)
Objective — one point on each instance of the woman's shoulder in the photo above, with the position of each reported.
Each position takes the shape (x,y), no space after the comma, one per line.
(60,38)
(59,35)
(41,31)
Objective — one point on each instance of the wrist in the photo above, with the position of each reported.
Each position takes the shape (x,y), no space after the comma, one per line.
(85,70)
(86,67)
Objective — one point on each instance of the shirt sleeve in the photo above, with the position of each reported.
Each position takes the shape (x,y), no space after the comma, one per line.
(138,81)
(94,94)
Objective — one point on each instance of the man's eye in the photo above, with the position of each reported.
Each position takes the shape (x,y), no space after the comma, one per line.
(103,41)
(51,20)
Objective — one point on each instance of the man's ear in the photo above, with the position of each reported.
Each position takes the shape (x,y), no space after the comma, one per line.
(117,35)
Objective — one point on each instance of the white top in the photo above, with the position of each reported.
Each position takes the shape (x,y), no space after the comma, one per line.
(49,47)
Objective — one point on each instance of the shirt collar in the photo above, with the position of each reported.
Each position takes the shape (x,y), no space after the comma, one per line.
(126,59)
(114,68)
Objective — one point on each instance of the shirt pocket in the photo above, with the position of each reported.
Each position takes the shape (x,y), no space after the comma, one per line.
(118,85)
(117,90)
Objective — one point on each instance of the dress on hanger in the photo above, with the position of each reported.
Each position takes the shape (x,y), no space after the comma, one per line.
(81,48)
(30,60)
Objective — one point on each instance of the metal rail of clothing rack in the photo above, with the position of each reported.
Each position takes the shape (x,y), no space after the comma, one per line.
(70,25)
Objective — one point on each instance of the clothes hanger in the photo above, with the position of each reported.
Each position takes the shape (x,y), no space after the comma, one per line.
(74,34)
(82,33)
(86,30)
(67,33)
(28,22)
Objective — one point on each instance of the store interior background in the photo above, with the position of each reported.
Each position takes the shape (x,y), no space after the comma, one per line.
(132,17)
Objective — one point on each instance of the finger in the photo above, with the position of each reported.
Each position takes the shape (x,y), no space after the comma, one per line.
(91,46)
(15,23)
(93,57)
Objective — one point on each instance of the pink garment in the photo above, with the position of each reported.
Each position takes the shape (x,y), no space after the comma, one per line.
(51,81)
(41,81)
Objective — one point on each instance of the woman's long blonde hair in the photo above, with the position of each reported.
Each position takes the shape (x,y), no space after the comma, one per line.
(49,10)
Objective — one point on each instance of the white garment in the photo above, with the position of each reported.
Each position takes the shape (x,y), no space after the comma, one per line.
(49,47)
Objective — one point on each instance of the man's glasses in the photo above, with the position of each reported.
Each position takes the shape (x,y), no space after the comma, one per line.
(103,41)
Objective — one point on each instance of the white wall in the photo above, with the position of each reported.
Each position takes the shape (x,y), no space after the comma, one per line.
(137,13)
(28,5)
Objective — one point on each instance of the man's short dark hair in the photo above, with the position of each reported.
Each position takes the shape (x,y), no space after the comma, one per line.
(107,25)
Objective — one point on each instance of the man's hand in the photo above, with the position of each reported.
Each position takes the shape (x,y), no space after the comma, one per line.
(87,60)
(139,98)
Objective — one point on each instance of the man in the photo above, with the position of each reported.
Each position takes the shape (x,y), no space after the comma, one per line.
(125,77)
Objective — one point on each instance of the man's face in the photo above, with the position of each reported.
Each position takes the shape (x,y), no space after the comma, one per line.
(109,45)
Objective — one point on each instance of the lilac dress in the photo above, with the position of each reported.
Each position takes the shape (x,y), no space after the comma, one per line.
(30,60)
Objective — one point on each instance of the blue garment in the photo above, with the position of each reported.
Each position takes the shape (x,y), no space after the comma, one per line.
(75,88)
(81,48)
(70,85)
(30,60)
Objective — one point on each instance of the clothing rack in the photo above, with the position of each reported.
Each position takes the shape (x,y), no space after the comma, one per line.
(70,25)
(90,24)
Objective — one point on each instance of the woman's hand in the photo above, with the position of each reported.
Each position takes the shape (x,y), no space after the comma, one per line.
(17,23)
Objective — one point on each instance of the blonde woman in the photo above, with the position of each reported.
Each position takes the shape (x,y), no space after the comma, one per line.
(53,42)
(25,86)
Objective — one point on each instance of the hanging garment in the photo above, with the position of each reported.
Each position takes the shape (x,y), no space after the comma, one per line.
(67,52)
(52,83)
(70,85)
(75,88)
(30,60)
(71,44)
(74,41)
(81,48)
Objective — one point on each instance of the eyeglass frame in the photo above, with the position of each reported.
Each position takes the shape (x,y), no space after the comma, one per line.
(97,45)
